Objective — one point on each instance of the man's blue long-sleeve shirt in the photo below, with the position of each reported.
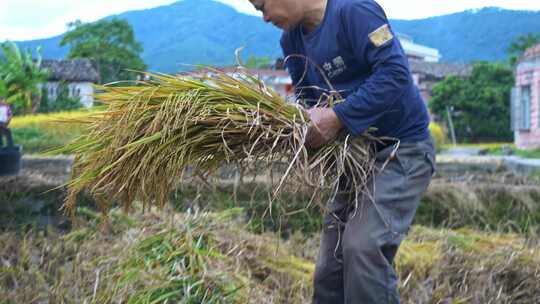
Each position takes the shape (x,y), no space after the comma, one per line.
(363,60)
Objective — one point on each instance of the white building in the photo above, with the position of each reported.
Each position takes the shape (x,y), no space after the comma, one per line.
(417,51)
(78,75)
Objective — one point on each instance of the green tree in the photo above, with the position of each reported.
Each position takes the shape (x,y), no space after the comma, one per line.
(109,44)
(522,43)
(255,62)
(480,103)
(3,89)
(22,76)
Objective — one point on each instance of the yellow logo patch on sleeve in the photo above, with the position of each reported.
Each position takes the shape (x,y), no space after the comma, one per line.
(381,35)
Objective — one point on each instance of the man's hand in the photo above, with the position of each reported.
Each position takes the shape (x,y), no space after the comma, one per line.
(324,127)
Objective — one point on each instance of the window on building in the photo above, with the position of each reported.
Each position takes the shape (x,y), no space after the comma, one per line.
(52,92)
(525,107)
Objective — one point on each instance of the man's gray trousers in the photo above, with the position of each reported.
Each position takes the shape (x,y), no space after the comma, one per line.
(358,244)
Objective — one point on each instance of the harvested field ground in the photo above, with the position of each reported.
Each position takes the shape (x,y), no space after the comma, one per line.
(211,258)
(475,241)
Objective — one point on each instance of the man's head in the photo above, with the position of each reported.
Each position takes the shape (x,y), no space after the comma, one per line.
(285,14)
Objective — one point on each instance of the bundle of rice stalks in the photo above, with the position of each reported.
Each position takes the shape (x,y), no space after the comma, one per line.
(150,133)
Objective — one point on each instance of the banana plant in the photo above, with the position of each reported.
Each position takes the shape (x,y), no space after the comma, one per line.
(22,76)
(3,89)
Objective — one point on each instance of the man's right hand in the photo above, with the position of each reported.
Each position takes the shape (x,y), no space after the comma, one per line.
(324,127)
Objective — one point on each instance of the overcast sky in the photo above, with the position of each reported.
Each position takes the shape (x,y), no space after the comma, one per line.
(32,19)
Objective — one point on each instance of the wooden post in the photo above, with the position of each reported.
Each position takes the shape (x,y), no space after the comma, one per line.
(451,125)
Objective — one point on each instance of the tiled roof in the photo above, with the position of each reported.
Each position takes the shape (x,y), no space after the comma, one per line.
(439,69)
(532,52)
(77,70)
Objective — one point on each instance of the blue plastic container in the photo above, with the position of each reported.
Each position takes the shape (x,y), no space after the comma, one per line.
(10,159)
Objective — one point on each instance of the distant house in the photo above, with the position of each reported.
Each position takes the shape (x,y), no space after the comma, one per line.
(279,80)
(416,51)
(526,100)
(427,74)
(78,75)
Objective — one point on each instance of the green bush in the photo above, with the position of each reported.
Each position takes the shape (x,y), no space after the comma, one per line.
(35,140)
(438,134)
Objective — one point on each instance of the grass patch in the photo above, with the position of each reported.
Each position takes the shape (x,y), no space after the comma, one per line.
(488,146)
(535,175)
(535,153)
(289,213)
(530,153)
(35,140)
(47,120)
(492,207)
(43,132)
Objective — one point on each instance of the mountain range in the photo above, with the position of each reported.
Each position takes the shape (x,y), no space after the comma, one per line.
(208,32)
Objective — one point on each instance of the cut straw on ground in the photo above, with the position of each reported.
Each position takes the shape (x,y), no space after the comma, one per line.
(164,257)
